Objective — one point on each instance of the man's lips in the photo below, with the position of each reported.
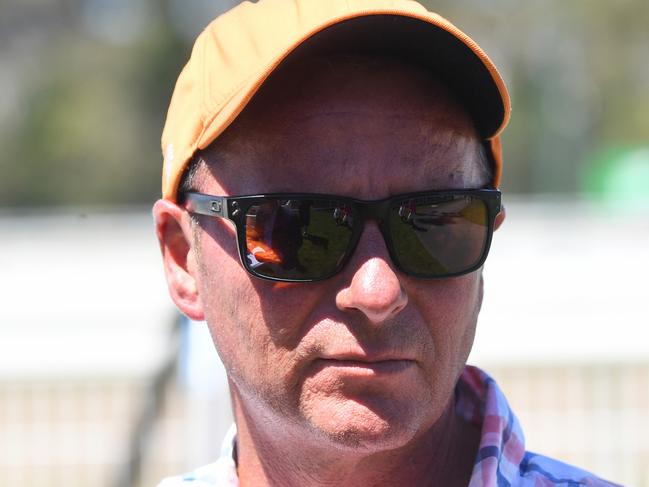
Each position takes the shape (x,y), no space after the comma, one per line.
(365,364)
(364,356)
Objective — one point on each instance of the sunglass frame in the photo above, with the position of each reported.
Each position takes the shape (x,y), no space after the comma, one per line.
(234,208)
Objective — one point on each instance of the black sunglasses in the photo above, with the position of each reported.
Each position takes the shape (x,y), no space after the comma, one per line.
(296,237)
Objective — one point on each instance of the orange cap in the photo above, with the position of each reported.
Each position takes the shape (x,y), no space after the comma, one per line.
(238,50)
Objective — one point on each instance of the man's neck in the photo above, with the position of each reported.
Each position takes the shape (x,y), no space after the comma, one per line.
(443,455)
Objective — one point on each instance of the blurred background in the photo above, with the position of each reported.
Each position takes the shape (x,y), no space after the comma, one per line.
(103,384)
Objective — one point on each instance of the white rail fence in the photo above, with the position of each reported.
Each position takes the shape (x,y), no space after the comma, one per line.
(90,394)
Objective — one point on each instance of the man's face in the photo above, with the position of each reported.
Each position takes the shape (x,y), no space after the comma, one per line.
(369,358)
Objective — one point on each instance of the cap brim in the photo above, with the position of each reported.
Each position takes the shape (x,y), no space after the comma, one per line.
(458,62)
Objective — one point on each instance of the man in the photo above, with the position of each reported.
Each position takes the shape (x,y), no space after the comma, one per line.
(328,202)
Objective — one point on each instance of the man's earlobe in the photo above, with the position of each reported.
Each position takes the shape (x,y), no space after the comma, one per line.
(173,228)
(500,218)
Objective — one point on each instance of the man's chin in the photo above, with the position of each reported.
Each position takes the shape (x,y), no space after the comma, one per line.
(366,425)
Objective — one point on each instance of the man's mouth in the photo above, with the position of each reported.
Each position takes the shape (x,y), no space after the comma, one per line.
(366,365)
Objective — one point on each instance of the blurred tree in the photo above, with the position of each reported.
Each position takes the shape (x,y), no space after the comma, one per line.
(87,84)
(90,126)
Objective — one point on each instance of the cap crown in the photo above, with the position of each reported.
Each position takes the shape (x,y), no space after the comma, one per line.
(238,50)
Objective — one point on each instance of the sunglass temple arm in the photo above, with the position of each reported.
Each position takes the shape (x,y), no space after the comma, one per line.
(206,205)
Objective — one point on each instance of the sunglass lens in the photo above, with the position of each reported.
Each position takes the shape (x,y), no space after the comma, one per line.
(297,239)
(436,238)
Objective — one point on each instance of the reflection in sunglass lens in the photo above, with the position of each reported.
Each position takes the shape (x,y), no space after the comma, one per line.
(436,238)
(297,238)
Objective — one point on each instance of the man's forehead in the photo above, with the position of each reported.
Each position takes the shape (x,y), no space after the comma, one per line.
(337,91)
(331,114)
(348,84)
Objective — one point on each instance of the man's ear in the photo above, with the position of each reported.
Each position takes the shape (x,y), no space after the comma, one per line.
(500,218)
(173,228)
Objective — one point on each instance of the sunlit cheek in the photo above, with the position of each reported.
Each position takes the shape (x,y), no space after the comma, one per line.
(250,347)
(229,304)
(450,308)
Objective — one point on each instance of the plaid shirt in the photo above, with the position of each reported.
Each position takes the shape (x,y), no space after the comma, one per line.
(501,460)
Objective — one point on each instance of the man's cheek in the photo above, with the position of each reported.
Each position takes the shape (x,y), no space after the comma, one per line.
(243,343)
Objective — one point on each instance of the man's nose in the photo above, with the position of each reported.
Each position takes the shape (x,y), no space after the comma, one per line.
(375,290)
